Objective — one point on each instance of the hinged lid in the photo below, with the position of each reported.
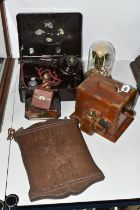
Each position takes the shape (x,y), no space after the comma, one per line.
(52,34)
(108,91)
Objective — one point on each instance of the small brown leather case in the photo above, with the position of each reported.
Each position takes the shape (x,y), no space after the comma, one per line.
(42,98)
(56,158)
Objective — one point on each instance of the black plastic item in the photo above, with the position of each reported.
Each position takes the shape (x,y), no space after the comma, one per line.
(11,202)
(69,67)
(44,40)
(49,34)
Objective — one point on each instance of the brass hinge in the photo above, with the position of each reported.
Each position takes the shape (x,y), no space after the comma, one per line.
(11,132)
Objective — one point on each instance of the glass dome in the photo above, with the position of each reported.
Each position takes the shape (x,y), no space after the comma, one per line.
(101,58)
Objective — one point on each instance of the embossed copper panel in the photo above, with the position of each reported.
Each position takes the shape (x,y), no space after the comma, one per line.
(57,161)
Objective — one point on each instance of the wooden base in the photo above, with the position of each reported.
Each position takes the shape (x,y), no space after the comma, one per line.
(113,138)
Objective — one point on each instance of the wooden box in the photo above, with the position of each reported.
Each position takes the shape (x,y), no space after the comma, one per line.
(104,106)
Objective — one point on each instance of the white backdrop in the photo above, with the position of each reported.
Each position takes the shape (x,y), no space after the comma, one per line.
(117,21)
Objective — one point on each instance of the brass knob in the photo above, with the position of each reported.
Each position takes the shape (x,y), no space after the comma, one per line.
(91,114)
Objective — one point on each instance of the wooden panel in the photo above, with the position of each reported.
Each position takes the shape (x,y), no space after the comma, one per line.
(5,29)
(4,87)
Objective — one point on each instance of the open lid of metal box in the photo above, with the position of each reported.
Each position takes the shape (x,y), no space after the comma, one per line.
(49,34)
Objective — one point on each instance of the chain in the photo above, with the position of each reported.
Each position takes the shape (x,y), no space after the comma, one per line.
(10,134)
